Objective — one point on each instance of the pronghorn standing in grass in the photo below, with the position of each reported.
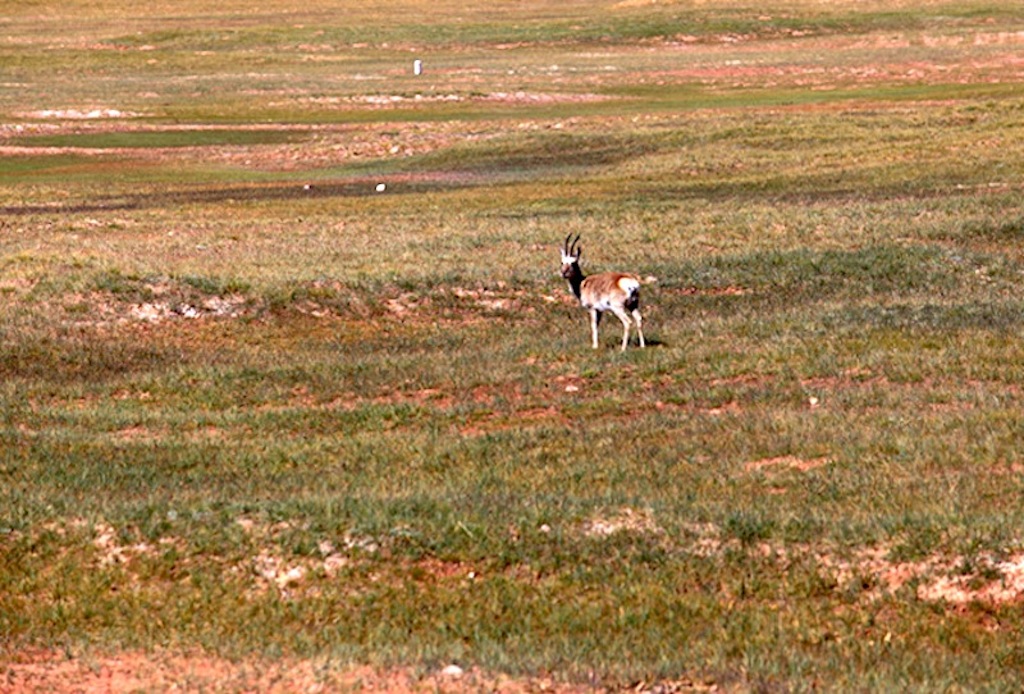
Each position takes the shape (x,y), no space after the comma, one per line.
(617,292)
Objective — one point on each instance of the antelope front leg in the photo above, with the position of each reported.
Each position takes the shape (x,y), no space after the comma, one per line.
(595,318)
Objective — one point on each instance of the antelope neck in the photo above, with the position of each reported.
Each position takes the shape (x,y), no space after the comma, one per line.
(575,280)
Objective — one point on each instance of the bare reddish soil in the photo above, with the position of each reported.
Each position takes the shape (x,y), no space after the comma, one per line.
(52,671)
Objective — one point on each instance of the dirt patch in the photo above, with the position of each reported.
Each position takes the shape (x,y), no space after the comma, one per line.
(737,61)
(497,300)
(626,519)
(406,303)
(79,114)
(137,434)
(716,291)
(786,462)
(17,286)
(38,671)
(938,578)
(312,147)
(378,101)
(288,577)
(489,299)
(519,419)
(571,383)
(941,578)
(992,582)
(165,303)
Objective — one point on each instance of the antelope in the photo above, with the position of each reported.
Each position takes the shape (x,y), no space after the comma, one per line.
(617,292)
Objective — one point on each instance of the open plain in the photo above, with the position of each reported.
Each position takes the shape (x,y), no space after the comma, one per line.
(293,398)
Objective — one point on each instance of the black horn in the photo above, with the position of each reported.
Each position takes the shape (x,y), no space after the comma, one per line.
(573,250)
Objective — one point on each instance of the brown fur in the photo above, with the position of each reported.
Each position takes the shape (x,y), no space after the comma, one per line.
(605,285)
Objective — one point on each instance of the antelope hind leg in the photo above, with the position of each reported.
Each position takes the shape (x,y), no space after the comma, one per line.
(639,326)
(626,324)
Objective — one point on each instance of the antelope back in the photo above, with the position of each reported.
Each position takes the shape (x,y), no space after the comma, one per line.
(607,289)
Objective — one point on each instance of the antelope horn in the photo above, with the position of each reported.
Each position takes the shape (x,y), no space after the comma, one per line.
(567,252)
(572,249)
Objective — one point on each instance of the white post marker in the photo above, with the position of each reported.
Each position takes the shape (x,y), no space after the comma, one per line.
(417,67)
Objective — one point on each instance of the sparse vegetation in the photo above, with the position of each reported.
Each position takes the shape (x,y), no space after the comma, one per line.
(254,411)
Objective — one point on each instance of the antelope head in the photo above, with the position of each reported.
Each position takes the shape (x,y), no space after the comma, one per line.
(571,257)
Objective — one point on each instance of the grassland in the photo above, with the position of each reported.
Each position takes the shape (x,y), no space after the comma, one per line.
(256,414)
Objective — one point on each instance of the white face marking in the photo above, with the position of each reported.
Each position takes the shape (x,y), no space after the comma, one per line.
(569,259)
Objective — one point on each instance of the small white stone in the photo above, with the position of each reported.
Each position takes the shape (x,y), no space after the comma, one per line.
(452,671)
(381,187)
